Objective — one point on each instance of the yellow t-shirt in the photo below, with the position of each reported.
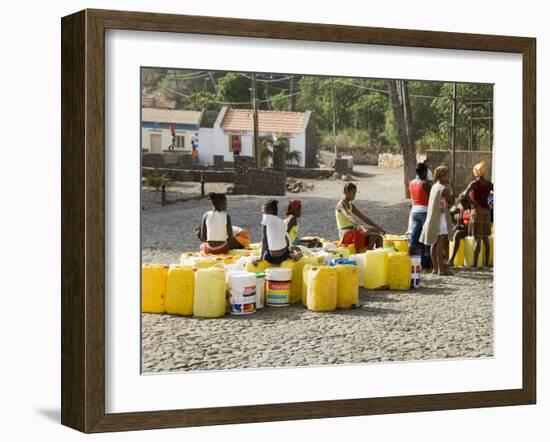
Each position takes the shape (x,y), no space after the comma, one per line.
(342,220)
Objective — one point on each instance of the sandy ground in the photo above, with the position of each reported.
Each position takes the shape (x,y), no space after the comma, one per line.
(448,317)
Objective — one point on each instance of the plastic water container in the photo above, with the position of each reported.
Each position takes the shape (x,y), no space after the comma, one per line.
(260,290)
(416,267)
(491,252)
(203,263)
(322,289)
(297,268)
(153,288)
(459,258)
(209,300)
(387,241)
(469,247)
(305,273)
(399,271)
(376,268)
(240,252)
(180,290)
(313,259)
(242,293)
(347,294)
(260,268)
(401,244)
(342,261)
(185,256)
(325,258)
(278,287)
(360,262)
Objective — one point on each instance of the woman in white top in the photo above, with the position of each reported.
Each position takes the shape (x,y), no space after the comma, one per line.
(216,231)
(438,226)
(275,244)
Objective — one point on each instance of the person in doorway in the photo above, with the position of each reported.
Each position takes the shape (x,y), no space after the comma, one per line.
(419,190)
(276,247)
(293,212)
(478,192)
(437,228)
(352,232)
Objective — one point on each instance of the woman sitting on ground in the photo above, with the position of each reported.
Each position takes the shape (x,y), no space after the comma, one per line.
(216,230)
(275,244)
(462,213)
(293,212)
(349,230)
(478,192)
(437,228)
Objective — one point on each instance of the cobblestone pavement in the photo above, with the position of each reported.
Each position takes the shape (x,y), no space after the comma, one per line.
(448,317)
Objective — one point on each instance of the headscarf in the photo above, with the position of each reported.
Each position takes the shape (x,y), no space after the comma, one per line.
(480,169)
(294,205)
(440,171)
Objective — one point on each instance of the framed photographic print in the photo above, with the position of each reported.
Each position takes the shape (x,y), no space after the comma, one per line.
(266,221)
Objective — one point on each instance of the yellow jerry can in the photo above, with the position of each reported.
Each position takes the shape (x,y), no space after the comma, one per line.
(153,288)
(360,260)
(376,268)
(305,272)
(399,271)
(401,244)
(347,294)
(459,258)
(180,290)
(262,266)
(322,288)
(209,298)
(469,248)
(297,268)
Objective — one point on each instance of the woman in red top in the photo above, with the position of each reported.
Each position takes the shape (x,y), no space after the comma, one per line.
(419,189)
(480,225)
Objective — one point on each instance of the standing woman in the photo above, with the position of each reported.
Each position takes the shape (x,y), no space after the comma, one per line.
(419,189)
(437,228)
(478,192)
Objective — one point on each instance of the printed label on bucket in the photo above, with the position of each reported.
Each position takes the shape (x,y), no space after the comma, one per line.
(243,309)
(275,300)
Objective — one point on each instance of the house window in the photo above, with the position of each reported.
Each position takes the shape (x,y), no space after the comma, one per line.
(180,141)
(235,143)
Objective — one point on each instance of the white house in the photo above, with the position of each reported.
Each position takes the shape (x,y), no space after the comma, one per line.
(157,125)
(234,129)
(231,129)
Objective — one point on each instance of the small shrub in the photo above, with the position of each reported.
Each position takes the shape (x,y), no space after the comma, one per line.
(157,180)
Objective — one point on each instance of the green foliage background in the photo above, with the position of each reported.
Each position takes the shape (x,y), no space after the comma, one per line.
(364,118)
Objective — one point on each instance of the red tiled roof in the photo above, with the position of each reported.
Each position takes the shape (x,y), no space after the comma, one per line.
(240,120)
(158,115)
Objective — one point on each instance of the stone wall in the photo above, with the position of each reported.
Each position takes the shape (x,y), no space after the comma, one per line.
(167,159)
(210,176)
(260,182)
(312,174)
(344,165)
(464,163)
(360,156)
(395,160)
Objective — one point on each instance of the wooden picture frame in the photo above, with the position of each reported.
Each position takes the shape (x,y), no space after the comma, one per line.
(83,220)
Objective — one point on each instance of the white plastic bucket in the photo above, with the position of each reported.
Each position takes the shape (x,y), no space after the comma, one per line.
(260,290)
(242,293)
(416,266)
(277,287)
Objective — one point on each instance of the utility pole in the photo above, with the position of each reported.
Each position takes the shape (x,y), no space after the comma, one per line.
(255,120)
(453,136)
(334,117)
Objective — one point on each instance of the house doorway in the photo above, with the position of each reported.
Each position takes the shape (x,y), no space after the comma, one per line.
(156,144)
